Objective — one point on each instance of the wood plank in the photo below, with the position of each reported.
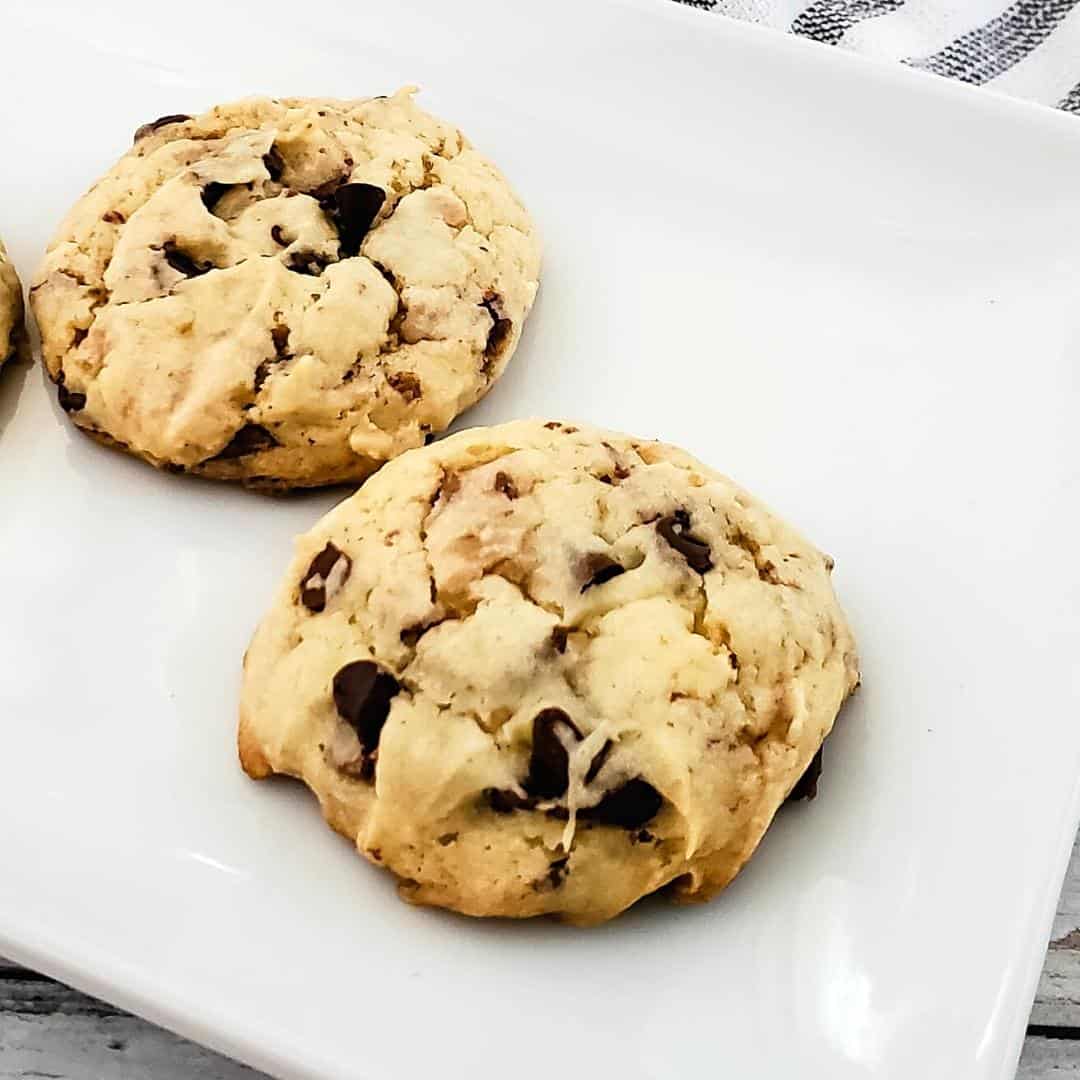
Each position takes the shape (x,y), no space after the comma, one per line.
(49,1031)
(1057,1003)
(1048,1059)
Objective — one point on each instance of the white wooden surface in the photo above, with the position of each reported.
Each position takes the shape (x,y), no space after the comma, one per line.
(48,1032)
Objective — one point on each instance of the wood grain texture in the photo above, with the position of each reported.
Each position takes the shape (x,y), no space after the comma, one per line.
(49,1032)
(1046,1059)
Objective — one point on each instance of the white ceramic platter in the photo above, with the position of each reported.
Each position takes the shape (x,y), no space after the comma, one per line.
(853,288)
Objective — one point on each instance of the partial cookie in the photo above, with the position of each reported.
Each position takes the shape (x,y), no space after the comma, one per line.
(286,292)
(541,668)
(11,308)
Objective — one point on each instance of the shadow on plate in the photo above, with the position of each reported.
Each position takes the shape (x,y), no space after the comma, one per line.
(12,380)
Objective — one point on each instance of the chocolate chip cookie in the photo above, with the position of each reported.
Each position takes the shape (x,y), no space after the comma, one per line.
(11,308)
(286,292)
(540,668)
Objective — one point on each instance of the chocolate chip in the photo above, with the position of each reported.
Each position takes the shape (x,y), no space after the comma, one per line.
(597,762)
(324,192)
(355,207)
(212,192)
(806,786)
(505,486)
(162,121)
(558,638)
(262,373)
(629,806)
(448,487)
(307,262)
(406,384)
(274,162)
(279,334)
(70,400)
(250,439)
(599,569)
(557,871)
(673,529)
(362,696)
(505,801)
(113,217)
(78,337)
(498,335)
(182,262)
(549,762)
(314,583)
(278,236)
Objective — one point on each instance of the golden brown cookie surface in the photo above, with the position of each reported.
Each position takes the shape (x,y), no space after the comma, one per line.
(540,668)
(286,292)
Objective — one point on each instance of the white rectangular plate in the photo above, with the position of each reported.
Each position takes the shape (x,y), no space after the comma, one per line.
(853,288)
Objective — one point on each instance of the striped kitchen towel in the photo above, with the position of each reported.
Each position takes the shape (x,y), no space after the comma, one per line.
(1030,48)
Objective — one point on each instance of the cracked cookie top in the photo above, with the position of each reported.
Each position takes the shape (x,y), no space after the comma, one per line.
(540,668)
(11,308)
(286,292)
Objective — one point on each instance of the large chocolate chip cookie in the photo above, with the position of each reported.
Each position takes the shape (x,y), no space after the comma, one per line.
(286,292)
(539,668)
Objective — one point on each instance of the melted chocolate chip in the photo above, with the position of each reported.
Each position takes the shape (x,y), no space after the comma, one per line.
(279,334)
(182,262)
(498,335)
(212,192)
(597,762)
(307,262)
(274,162)
(557,871)
(70,400)
(599,569)
(629,806)
(354,209)
(362,696)
(505,485)
(549,762)
(278,236)
(313,585)
(406,384)
(162,121)
(674,529)
(558,638)
(250,439)
(323,193)
(448,487)
(113,217)
(806,786)
(505,801)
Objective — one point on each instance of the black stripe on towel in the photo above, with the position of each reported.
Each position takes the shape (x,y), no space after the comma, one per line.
(828,20)
(1071,101)
(989,50)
